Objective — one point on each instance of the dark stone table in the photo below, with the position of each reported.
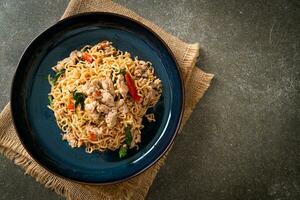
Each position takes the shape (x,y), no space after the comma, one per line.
(243,139)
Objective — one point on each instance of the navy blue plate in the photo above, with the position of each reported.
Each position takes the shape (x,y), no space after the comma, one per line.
(35,123)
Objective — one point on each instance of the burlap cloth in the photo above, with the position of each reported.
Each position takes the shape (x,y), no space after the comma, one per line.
(196,83)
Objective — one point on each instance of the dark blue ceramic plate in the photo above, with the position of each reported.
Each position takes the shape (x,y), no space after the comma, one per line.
(36,125)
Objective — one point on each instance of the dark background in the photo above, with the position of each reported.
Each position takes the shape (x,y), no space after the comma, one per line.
(243,139)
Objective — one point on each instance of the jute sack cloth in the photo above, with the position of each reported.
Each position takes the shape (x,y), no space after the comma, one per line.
(196,83)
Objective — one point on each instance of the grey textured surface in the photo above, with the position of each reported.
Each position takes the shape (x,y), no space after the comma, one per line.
(243,139)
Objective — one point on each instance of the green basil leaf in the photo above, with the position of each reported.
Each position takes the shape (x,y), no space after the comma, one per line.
(79,99)
(122,152)
(128,135)
(55,78)
(50,99)
(121,71)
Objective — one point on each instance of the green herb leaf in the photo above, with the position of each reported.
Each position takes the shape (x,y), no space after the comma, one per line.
(55,78)
(79,99)
(50,99)
(122,152)
(128,135)
(121,71)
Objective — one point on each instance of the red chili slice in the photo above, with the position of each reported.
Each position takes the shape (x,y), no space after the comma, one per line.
(131,88)
(87,57)
(70,105)
(93,136)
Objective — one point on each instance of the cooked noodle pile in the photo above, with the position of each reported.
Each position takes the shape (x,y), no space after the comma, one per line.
(99,96)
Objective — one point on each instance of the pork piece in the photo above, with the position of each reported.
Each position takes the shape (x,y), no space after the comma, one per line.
(102,109)
(140,68)
(107,98)
(91,87)
(122,107)
(87,89)
(96,83)
(71,140)
(94,130)
(104,44)
(120,103)
(73,57)
(150,97)
(60,65)
(111,118)
(108,85)
(121,86)
(91,107)
(79,54)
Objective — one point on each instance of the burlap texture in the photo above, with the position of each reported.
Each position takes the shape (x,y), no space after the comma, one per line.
(196,83)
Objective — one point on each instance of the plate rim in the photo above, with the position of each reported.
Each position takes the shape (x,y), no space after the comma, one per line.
(14,80)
